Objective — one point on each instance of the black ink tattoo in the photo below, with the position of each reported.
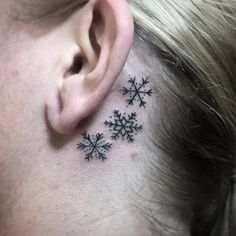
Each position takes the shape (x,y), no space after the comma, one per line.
(137,92)
(94,146)
(123,126)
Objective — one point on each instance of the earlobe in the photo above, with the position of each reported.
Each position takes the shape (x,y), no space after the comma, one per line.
(103,31)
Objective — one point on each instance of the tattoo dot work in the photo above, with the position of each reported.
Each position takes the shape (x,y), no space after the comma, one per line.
(137,92)
(123,126)
(94,146)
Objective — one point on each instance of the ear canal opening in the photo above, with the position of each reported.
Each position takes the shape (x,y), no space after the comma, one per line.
(76,67)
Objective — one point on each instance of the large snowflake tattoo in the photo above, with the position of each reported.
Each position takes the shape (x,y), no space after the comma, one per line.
(94,146)
(137,92)
(123,126)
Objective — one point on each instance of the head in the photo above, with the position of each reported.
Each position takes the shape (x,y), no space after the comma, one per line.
(117,117)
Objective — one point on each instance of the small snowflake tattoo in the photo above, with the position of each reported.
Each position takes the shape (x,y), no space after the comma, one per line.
(94,146)
(123,126)
(137,92)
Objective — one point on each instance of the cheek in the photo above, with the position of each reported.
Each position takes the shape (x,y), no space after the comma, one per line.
(24,83)
(28,74)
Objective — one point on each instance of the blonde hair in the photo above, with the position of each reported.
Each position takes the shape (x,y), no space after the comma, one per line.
(198,38)
(201,34)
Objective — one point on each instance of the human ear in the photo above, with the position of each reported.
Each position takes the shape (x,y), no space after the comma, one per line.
(103,31)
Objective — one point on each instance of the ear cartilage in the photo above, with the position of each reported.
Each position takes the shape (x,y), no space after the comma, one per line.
(137,92)
(94,146)
(124,126)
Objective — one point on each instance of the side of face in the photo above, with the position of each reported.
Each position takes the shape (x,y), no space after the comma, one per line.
(46,185)
(28,65)
(37,63)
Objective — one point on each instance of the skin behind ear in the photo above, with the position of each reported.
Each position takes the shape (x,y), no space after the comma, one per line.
(103,35)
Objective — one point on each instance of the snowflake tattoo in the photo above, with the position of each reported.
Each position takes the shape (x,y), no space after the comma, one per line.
(94,146)
(123,126)
(137,92)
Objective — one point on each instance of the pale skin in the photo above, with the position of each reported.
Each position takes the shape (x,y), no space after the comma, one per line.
(47,188)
